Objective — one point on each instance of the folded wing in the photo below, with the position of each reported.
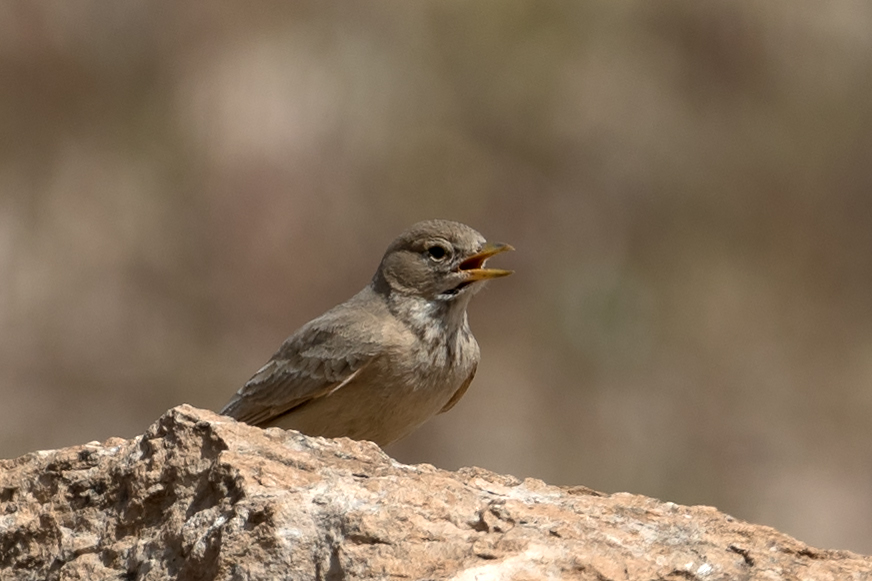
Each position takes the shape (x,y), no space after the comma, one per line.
(314,362)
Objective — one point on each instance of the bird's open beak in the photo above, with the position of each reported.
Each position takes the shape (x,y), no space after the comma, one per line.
(474,268)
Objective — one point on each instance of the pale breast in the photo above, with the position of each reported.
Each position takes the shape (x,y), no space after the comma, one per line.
(427,353)
(407,385)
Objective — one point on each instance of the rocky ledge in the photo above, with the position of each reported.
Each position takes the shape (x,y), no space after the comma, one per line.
(200,496)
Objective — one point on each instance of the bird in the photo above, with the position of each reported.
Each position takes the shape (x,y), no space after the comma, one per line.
(382,363)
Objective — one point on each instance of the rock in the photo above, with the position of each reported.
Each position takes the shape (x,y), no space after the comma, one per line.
(199,496)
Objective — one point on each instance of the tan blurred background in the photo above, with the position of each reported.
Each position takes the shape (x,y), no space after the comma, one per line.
(182,184)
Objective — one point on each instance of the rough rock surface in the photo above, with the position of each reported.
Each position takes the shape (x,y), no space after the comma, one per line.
(200,496)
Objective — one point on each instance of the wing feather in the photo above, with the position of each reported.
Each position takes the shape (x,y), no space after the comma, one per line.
(460,392)
(321,357)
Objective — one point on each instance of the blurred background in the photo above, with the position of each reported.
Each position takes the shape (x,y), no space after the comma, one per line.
(688,186)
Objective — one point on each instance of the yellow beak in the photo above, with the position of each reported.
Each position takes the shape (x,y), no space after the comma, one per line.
(474,268)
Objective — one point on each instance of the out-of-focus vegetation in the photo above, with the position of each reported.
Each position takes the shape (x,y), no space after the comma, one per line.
(688,186)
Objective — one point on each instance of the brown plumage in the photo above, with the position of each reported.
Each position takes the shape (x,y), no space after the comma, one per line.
(382,363)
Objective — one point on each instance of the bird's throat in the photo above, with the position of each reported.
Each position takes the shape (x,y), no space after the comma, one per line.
(431,318)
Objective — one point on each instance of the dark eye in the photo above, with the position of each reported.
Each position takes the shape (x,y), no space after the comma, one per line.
(437,252)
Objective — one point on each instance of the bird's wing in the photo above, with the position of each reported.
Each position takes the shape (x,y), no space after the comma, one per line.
(314,362)
(460,392)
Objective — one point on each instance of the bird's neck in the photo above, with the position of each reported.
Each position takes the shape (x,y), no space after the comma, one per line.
(431,319)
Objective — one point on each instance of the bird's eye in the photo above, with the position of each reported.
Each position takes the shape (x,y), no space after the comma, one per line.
(437,252)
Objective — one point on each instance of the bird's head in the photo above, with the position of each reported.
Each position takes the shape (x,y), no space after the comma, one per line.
(438,260)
